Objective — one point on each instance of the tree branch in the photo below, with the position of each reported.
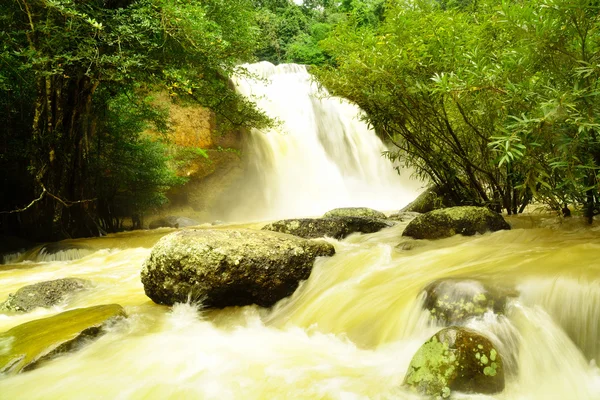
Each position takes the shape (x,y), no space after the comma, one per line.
(45,192)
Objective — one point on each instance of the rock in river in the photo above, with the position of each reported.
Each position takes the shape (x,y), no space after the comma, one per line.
(456,359)
(452,301)
(337,228)
(354,212)
(25,346)
(42,294)
(431,199)
(223,268)
(448,222)
(173,222)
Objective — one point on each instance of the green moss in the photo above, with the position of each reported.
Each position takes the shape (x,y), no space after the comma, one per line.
(354,212)
(432,368)
(24,345)
(455,359)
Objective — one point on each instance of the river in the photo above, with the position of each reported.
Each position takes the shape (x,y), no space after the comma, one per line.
(348,332)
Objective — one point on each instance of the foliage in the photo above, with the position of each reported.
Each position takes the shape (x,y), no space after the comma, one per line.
(496,103)
(69,68)
(292,33)
(131,173)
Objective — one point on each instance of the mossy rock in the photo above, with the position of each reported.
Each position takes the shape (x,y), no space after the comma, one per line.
(456,359)
(452,221)
(453,301)
(25,346)
(354,212)
(222,268)
(337,228)
(43,294)
(173,222)
(432,198)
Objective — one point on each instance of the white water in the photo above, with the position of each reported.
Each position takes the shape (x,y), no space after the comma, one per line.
(319,157)
(348,332)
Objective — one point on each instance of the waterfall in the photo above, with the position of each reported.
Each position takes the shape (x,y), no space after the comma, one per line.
(320,156)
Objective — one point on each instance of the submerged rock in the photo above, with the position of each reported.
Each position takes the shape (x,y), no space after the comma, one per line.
(173,222)
(43,294)
(62,251)
(354,212)
(224,268)
(452,301)
(448,222)
(337,228)
(25,346)
(456,359)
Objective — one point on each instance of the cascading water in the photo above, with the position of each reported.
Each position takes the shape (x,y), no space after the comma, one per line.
(320,156)
(350,330)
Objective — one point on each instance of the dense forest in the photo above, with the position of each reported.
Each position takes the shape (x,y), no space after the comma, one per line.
(494,102)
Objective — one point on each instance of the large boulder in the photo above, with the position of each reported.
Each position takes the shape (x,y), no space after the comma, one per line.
(354,212)
(456,359)
(447,222)
(43,294)
(173,222)
(337,228)
(36,341)
(223,268)
(453,301)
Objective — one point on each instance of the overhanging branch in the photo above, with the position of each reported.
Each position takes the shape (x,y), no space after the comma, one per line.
(45,192)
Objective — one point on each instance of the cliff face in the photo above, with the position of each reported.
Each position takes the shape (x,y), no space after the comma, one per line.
(210,175)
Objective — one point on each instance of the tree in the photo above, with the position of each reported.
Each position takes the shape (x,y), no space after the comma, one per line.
(416,76)
(73,50)
(494,103)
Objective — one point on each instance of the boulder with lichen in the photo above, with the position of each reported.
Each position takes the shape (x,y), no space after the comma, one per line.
(456,359)
(452,221)
(221,268)
(363,212)
(337,227)
(43,294)
(453,301)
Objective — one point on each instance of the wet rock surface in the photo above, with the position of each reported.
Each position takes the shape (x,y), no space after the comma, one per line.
(61,251)
(221,268)
(173,222)
(354,212)
(26,346)
(452,221)
(432,198)
(456,359)
(43,294)
(403,216)
(337,228)
(453,301)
